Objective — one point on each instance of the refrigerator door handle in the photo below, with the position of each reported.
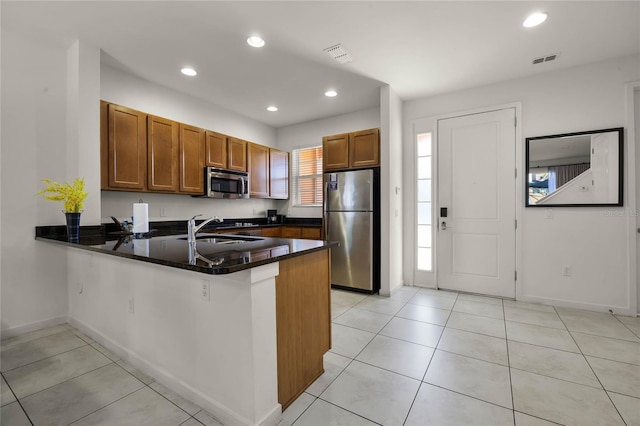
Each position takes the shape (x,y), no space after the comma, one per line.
(326,226)
(326,214)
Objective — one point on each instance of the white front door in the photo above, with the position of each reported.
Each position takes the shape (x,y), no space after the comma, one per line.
(476,238)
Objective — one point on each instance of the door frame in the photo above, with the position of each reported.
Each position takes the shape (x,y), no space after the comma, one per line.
(632,195)
(430,124)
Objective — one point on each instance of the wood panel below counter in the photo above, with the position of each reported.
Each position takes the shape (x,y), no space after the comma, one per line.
(303,322)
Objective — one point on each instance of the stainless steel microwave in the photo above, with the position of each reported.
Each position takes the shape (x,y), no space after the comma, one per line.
(220,183)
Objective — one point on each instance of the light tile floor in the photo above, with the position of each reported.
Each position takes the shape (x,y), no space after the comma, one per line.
(420,357)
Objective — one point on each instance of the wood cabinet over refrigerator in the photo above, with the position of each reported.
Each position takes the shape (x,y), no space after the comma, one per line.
(353,150)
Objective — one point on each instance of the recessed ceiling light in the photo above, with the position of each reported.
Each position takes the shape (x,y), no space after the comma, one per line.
(534,19)
(188,71)
(255,41)
(331,93)
(272,108)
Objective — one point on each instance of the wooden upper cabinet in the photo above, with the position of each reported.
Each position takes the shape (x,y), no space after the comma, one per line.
(237,154)
(162,154)
(216,150)
(335,152)
(364,148)
(278,174)
(353,150)
(258,167)
(124,151)
(192,141)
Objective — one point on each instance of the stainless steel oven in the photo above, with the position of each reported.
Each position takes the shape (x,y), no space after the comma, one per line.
(220,183)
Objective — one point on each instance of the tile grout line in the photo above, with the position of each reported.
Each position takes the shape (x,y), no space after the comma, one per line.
(111,403)
(368,343)
(180,408)
(592,370)
(506,343)
(17,400)
(51,356)
(430,360)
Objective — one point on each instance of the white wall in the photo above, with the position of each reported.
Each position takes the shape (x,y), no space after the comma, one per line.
(390,190)
(34,147)
(590,240)
(305,135)
(130,91)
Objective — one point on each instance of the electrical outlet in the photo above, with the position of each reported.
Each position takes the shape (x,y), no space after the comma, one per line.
(205,291)
(131,306)
(548,214)
(566,271)
(163,212)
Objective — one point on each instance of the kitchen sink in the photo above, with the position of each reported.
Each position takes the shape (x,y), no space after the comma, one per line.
(223,239)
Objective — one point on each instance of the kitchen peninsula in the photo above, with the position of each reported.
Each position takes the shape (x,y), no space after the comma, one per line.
(237,324)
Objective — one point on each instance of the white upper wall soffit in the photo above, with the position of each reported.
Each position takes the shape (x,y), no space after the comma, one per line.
(419,48)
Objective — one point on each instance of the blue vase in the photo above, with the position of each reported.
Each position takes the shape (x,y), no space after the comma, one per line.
(73,227)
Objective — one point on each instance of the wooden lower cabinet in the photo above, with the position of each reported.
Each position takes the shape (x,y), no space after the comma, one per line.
(274,232)
(291,232)
(310,233)
(303,322)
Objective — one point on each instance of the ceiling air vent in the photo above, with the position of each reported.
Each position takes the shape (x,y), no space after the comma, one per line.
(338,53)
(547,58)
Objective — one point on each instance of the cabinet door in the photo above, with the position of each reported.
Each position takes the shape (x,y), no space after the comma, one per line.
(216,150)
(162,154)
(291,232)
(127,148)
(237,154)
(364,148)
(310,233)
(273,232)
(258,164)
(278,174)
(191,159)
(335,152)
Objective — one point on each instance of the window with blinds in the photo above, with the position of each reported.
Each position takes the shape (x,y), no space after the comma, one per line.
(306,171)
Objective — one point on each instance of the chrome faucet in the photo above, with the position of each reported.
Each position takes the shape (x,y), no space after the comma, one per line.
(192,229)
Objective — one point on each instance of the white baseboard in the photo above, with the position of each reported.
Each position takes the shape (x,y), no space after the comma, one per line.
(618,310)
(222,413)
(38,325)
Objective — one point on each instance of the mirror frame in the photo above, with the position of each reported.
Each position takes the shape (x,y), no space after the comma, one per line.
(619,130)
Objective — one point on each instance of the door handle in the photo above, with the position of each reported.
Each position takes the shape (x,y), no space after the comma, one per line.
(443,225)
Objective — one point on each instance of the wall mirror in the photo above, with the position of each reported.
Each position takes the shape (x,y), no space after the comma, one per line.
(575,169)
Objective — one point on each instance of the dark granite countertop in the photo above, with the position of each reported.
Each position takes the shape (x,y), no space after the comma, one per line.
(174,251)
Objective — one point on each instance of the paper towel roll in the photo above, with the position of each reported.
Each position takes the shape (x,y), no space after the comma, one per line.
(140,218)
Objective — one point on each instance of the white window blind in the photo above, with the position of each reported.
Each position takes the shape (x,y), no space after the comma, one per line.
(306,170)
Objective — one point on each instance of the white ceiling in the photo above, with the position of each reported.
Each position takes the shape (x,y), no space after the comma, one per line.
(419,48)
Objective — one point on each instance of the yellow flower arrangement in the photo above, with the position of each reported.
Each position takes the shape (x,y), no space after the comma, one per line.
(73,196)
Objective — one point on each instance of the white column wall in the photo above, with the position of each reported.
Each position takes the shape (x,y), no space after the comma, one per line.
(390,190)
(83,124)
(34,147)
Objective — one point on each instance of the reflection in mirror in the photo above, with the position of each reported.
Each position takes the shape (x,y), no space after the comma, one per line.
(575,169)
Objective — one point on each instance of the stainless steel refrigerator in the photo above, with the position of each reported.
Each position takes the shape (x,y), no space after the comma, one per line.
(351,217)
